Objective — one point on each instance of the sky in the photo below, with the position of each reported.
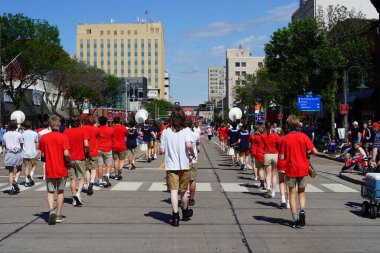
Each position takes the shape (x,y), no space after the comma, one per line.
(197,32)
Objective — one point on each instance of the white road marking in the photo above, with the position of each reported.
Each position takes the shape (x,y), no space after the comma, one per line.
(23,188)
(234,187)
(312,188)
(204,187)
(339,188)
(161,186)
(126,186)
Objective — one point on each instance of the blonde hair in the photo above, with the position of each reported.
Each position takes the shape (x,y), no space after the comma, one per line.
(54,121)
(293,122)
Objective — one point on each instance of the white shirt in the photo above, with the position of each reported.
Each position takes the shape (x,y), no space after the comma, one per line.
(197,130)
(174,146)
(12,140)
(195,137)
(30,140)
(43,131)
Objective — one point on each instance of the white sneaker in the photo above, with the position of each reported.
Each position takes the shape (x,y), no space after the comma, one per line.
(256,178)
(74,202)
(155,156)
(287,204)
(269,193)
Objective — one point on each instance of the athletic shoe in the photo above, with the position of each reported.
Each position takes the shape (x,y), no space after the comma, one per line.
(118,177)
(15,186)
(262,188)
(175,220)
(90,190)
(295,224)
(59,219)
(107,182)
(31,181)
(149,160)
(302,218)
(52,218)
(283,205)
(269,193)
(242,167)
(133,167)
(27,184)
(187,214)
(78,200)
(74,202)
(256,178)
(155,156)
(287,205)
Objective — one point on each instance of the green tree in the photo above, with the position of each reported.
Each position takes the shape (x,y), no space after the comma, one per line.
(39,45)
(159,108)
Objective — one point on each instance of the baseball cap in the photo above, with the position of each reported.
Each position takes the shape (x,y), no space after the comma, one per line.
(355,123)
(375,124)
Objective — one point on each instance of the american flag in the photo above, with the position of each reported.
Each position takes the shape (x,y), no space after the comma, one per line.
(15,64)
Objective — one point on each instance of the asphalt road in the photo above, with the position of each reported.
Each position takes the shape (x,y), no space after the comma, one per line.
(230,215)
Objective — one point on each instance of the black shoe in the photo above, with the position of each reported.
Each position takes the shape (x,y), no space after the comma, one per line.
(118,177)
(149,160)
(28,184)
(90,190)
(31,181)
(262,188)
(282,205)
(302,219)
(295,224)
(187,214)
(78,202)
(133,167)
(52,218)
(15,186)
(175,220)
(106,179)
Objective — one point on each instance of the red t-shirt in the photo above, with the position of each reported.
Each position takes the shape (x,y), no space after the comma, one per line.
(294,147)
(271,142)
(53,145)
(105,138)
(251,140)
(225,132)
(259,149)
(93,133)
(77,135)
(281,164)
(118,140)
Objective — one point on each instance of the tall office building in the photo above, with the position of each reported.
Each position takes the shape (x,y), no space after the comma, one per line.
(239,63)
(125,50)
(216,83)
(309,8)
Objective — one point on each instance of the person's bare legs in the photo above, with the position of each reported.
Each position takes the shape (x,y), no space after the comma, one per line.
(73,186)
(10,175)
(274,180)
(50,200)
(116,166)
(60,198)
(268,178)
(174,200)
(192,188)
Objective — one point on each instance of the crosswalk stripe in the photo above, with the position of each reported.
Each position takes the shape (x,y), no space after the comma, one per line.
(339,188)
(312,188)
(161,186)
(234,187)
(204,187)
(127,186)
(23,188)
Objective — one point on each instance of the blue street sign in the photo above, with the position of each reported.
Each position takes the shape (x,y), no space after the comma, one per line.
(259,117)
(309,103)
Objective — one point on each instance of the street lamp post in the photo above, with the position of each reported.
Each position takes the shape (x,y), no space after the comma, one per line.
(345,95)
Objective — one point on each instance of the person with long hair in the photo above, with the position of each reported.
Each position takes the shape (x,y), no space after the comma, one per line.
(295,148)
(176,144)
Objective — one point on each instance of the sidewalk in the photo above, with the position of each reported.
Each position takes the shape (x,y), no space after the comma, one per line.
(351,176)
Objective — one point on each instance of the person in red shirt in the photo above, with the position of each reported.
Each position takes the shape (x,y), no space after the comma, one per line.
(79,151)
(54,147)
(294,150)
(259,157)
(281,179)
(118,147)
(92,161)
(271,143)
(105,151)
(253,151)
(221,137)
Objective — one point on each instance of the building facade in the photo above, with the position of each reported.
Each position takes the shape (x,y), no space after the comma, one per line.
(239,63)
(167,86)
(309,8)
(126,51)
(216,83)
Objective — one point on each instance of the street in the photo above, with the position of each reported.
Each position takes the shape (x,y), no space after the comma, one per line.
(230,214)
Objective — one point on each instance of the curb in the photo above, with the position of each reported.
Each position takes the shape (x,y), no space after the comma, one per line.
(350,179)
(328,157)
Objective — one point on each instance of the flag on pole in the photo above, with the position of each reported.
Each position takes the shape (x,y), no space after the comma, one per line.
(15,64)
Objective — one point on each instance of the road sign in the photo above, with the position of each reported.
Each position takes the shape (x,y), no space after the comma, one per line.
(259,117)
(309,103)
(343,108)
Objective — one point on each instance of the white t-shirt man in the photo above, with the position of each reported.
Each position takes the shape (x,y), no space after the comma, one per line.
(174,146)
(197,130)
(30,143)
(195,138)
(12,140)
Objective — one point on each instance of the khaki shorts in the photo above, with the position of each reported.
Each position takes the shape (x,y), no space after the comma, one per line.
(55,184)
(77,170)
(105,158)
(270,159)
(92,163)
(293,181)
(32,161)
(131,151)
(118,155)
(193,171)
(177,180)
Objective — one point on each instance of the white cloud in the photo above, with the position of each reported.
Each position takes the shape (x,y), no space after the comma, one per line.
(254,43)
(218,51)
(225,28)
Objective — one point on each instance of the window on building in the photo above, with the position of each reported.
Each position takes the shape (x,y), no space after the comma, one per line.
(101,32)
(115,32)
(108,32)
(135,32)
(129,32)
(243,73)
(244,64)
(237,73)
(157,30)
(237,64)
(88,31)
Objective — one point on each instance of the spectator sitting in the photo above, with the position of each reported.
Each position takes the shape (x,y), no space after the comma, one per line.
(354,160)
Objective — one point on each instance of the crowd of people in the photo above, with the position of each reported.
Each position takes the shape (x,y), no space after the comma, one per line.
(89,149)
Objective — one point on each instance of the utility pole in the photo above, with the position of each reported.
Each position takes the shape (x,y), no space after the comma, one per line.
(345,101)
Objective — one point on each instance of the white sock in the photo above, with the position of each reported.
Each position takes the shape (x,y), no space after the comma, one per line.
(283,198)
(108,175)
(26,180)
(16,179)
(31,174)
